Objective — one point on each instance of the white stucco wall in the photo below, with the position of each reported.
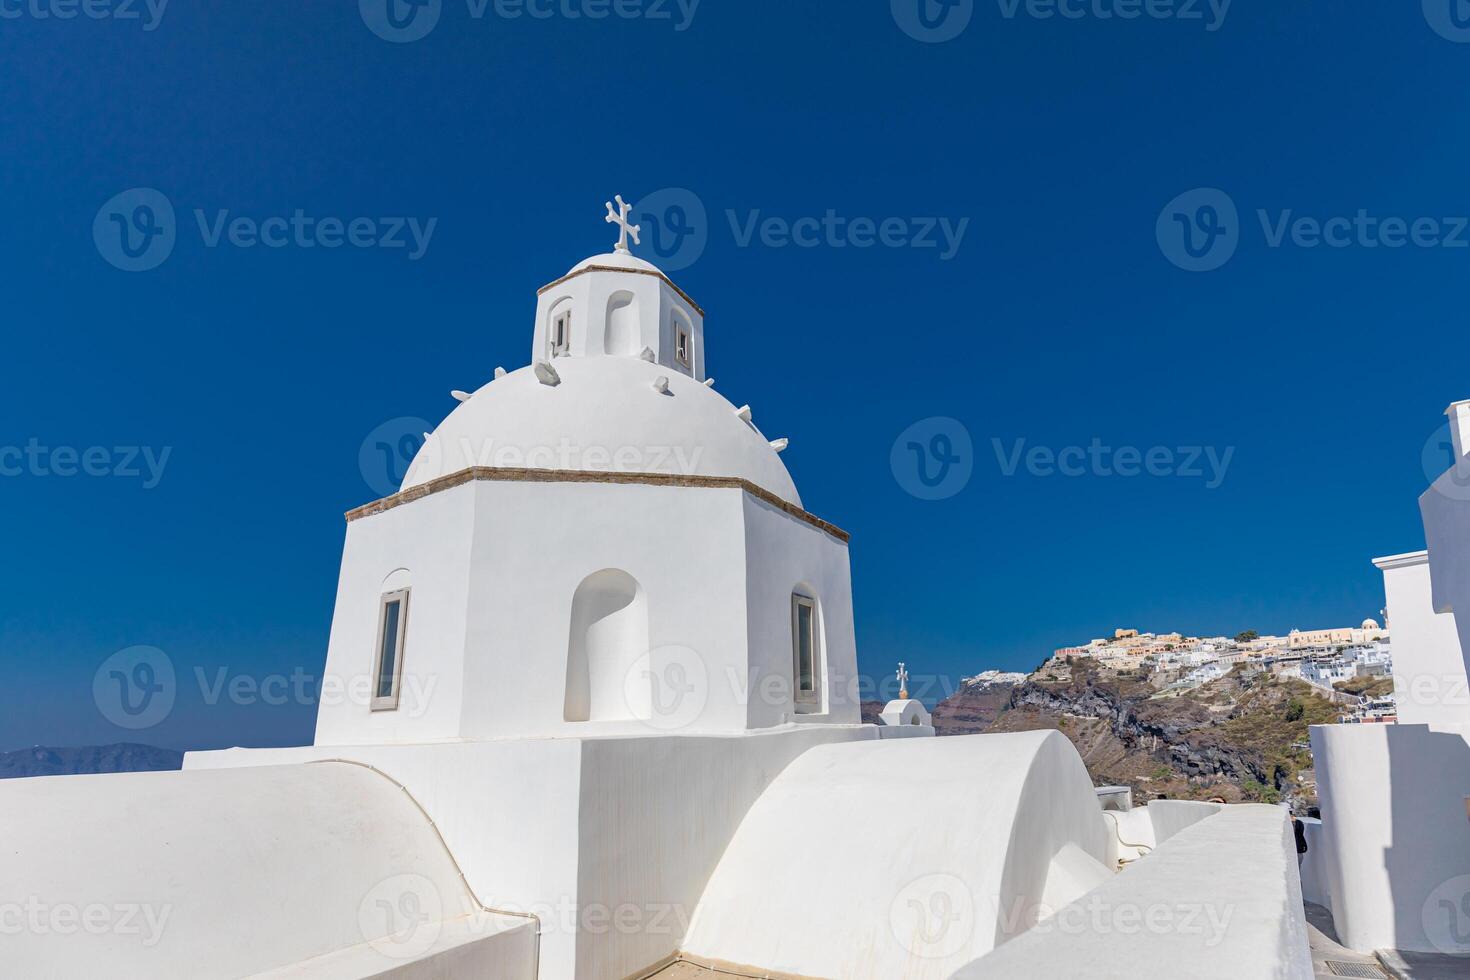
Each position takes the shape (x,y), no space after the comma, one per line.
(1394,830)
(903,857)
(782,556)
(1429,672)
(609,841)
(1218,899)
(1445,508)
(424,547)
(226,873)
(1171,816)
(656,816)
(495,567)
(509,812)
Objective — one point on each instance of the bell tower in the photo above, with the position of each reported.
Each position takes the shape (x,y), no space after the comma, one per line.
(618,305)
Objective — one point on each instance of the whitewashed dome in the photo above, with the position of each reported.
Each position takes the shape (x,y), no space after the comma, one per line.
(615,260)
(605,415)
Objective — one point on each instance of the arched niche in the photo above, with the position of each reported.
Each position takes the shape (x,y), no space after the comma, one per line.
(607,638)
(624,333)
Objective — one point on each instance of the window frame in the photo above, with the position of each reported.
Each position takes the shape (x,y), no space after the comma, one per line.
(808,700)
(562,319)
(683,337)
(389,702)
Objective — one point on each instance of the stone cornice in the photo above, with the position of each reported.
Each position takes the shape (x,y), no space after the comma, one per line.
(634,272)
(501,474)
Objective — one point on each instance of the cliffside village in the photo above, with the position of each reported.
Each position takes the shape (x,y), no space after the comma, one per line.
(1174,663)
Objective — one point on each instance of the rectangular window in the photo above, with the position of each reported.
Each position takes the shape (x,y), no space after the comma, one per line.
(561,333)
(681,344)
(807,659)
(388,664)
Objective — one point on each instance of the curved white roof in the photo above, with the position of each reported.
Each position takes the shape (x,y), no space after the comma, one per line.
(220,872)
(615,260)
(605,415)
(1032,837)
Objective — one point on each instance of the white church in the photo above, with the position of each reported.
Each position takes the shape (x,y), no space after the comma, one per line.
(678,782)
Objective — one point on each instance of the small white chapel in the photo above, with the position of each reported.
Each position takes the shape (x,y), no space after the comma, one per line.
(679,782)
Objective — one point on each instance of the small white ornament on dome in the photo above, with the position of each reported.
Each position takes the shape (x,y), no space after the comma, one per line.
(709,382)
(546,374)
(647,354)
(780,444)
(620,218)
(661,385)
(461,396)
(743,413)
(499,373)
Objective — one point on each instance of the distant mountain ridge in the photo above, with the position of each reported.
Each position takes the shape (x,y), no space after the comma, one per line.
(40,760)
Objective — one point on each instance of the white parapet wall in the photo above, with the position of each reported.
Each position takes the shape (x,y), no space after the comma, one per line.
(1395,840)
(233,873)
(903,857)
(608,841)
(1218,899)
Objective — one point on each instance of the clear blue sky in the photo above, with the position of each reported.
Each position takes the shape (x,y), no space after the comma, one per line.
(1059,320)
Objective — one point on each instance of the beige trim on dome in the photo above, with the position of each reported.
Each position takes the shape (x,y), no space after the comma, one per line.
(637,272)
(501,474)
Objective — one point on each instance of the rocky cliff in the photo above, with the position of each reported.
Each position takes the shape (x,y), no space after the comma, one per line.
(1241,737)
